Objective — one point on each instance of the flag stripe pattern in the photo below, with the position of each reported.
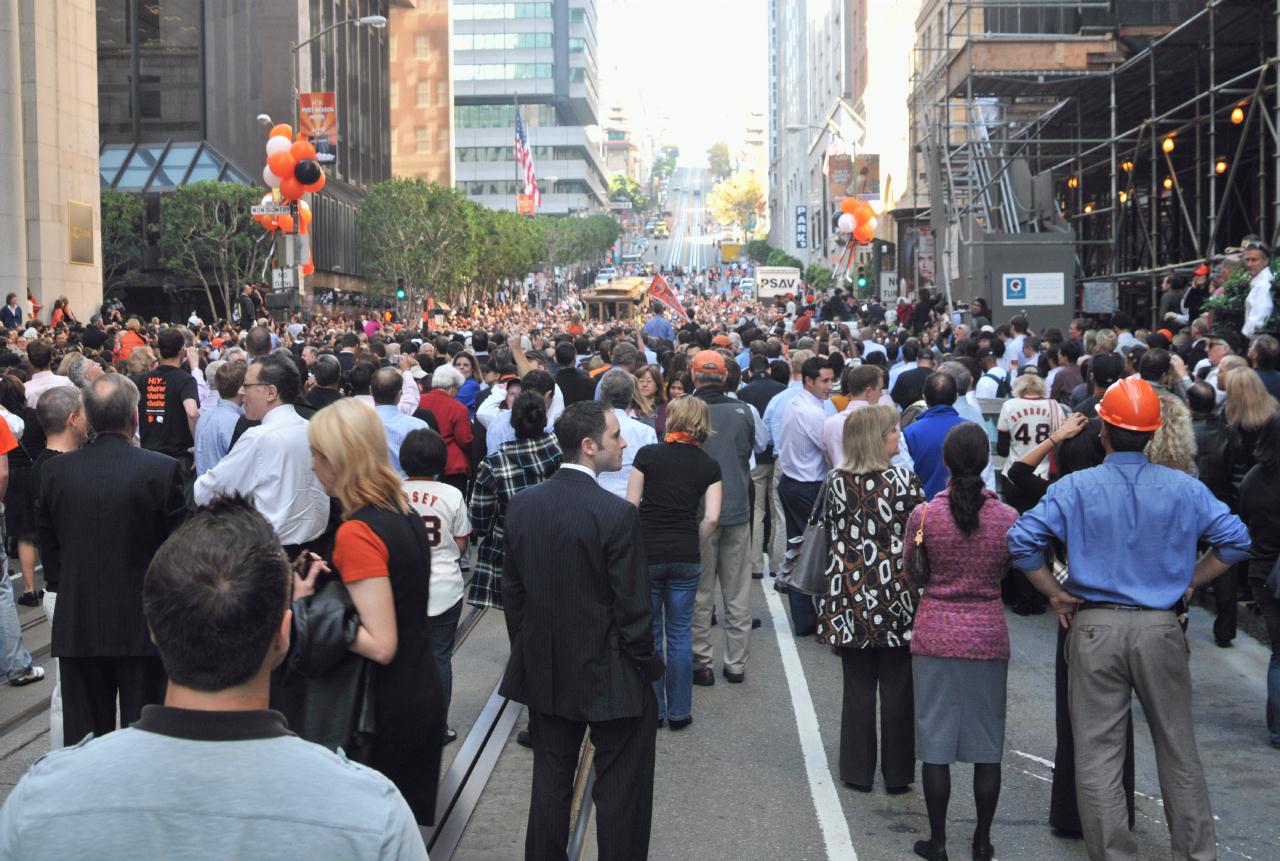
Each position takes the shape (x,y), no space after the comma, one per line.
(524,159)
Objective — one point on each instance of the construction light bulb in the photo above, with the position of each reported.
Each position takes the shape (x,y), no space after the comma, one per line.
(1088,208)
(1168,182)
(1220,167)
(1073,182)
(1126,166)
(1167,146)
(1237,115)
(1124,197)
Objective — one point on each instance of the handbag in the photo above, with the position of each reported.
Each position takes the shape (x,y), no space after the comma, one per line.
(804,568)
(918,568)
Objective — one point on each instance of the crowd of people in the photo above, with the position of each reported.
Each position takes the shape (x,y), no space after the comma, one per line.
(261,526)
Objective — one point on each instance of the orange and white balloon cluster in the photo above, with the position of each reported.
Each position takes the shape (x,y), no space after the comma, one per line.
(857,218)
(291,171)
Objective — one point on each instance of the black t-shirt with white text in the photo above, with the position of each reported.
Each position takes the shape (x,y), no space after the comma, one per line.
(162,420)
(676,475)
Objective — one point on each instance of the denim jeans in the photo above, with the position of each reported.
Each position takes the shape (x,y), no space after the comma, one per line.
(14,657)
(1271,616)
(674,586)
(443,628)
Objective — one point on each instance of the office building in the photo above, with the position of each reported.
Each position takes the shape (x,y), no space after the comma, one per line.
(541,55)
(421,91)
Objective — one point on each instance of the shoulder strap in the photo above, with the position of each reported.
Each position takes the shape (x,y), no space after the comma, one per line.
(920,531)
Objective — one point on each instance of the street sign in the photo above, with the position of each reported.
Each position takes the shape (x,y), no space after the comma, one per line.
(888,286)
(802,226)
(620,205)
(524,204)
(271,209)
(282,279)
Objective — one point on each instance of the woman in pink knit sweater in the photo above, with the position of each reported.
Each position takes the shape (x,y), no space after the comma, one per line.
(960,644)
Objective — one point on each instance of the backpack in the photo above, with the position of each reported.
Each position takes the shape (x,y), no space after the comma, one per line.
(1004,388)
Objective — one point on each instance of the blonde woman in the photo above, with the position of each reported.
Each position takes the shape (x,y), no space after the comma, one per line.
(1174,442)
(668,483)
(867,611)
(1247,407)
(381,553)
(141,360)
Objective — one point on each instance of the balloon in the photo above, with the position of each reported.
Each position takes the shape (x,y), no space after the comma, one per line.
(283,130)
(873,223)
(268,198)
(318,184)
(285,223)
(302,150)
(848,205)
(306,215)
(267,222)
(282,164)
(862,212)
(275,145)
(291,189)
(270,178)
(307,171)
(846,224)
(863,233)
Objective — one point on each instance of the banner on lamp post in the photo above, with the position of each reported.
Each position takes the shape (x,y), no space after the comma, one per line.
(318,123)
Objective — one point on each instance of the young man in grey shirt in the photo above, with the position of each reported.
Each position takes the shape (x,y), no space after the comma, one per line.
(213,772)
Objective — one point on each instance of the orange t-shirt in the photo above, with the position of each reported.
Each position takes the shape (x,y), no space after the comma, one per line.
(8,442)
(358,552)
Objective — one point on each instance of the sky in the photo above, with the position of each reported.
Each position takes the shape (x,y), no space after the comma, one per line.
(688,71)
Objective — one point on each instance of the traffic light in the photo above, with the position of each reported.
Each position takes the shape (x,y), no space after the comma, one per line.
(862,277)
(400,294)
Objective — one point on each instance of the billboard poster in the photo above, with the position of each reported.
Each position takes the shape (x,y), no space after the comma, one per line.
(839,178)
(866,177)
(318,123)
(916,260)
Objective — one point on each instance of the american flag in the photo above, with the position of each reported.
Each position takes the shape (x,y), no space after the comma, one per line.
(524,158)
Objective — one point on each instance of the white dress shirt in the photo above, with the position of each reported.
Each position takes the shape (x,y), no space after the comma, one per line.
(637,435)
(800,450)
(41,382)
(1257,305)
(272,463)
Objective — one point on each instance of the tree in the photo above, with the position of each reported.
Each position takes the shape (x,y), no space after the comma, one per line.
(624,189)
(759,250)
(738,200)
(782,258)
(819,278)
(508,247)
(665,164)
(718,161)
(122,239)
(421,232)
(208,235)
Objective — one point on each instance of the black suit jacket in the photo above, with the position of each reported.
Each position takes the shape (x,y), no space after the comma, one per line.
(576,593)
(909,387)
(104,511)
(575,386)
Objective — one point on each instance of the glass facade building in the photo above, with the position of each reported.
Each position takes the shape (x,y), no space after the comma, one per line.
(541,56)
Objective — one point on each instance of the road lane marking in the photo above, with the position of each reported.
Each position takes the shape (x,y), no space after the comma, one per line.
(826,803)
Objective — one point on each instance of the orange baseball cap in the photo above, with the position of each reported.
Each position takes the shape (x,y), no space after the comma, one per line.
(1202,270)
(722,341)
(709,362)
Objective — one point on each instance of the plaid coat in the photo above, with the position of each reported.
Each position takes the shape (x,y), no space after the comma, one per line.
(516,466)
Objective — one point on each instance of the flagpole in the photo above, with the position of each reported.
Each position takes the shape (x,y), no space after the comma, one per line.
(517,161)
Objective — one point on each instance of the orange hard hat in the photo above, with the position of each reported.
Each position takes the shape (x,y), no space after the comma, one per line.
(1131,404)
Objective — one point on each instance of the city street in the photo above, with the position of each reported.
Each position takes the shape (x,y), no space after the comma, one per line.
(690,246)
(755,776)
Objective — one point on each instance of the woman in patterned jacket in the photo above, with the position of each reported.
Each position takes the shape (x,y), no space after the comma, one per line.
(518,464)
(867,611)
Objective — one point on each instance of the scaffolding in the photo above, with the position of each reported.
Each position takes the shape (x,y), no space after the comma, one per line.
(1143,131)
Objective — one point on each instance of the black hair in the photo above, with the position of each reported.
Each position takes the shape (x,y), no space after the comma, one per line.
(1154,364)
(538,381)
(480,342)
(966,451)
(1201,397)
(170,343)
(529,415)
(1266,352)
(812,368)
(327,371)
(939,389)
(1105,369)
(280,371)
(257,342)
(565,354)
(910,350)
(423,454)
(779,372)
(1127,440)
(578,422)
(215,594)
(1071,351)
(39,354)
(360,376)
(1267,451)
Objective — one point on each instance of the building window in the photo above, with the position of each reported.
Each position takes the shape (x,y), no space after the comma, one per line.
(502,72)
(442,139)
(423,139)
(500,11)
(394,139)
(503,116)
(442,93)
(395,96)
(391,48)
(500,41)
(424,94)
(422,46)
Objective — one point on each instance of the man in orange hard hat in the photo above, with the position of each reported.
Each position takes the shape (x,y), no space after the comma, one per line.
(1118,601)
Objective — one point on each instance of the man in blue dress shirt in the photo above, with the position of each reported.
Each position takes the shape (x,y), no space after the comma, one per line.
(1131,529)
(216,426)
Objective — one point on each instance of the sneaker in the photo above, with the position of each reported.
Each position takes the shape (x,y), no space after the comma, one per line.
(31,674)
(31,599)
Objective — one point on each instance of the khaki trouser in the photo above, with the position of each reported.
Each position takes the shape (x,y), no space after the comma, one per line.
(765,484)
(1111,653)
(722,562)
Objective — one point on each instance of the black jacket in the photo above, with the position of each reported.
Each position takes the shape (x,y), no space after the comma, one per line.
(576,593)
(104,512)
(575,385)
(1218,450)
(909,386)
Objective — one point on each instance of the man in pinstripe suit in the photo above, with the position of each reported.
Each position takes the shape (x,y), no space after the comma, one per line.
(576,593)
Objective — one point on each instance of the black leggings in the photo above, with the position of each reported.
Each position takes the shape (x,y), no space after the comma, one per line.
(937,794)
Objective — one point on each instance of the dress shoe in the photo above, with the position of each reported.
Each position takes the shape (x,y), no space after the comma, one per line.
(983,853)
(757,575)
(677,724)
(734,678)
(31,599)
(861,787)
(898,790)
(925,849)
(756,623)
(703,676)
(525,739)
(661,722)
(1223,644)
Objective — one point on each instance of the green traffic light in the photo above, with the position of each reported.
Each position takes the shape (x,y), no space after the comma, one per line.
(400,293)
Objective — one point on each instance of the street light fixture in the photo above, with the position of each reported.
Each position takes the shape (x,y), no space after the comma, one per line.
(377,22)
(829,127)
